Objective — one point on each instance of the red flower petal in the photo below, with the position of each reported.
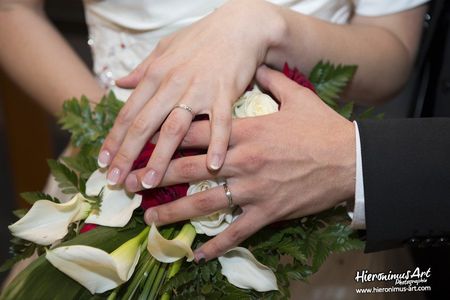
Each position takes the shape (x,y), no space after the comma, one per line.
(298,77)
(87,227)
(158,196)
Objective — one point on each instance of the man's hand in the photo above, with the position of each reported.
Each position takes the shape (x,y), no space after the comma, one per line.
(296,162)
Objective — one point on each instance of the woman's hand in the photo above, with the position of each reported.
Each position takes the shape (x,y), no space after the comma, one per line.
(296,162)
(205,67)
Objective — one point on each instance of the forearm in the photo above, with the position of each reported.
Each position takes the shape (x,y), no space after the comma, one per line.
(35,56)
(384,56)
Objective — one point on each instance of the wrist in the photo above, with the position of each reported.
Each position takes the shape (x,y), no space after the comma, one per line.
(269,28)
(285,46)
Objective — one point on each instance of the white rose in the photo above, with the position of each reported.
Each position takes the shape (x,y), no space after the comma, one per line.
(214,223)
(254,103)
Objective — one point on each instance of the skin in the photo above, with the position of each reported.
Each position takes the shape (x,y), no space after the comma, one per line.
(211,73)
(38,58)
(274,170)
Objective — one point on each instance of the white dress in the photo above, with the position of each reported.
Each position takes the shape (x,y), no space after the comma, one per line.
(123,32)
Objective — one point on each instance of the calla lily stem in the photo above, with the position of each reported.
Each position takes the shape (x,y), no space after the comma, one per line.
(158,281)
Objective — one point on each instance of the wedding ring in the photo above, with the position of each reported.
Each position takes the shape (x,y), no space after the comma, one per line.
(228,194)
(186,108)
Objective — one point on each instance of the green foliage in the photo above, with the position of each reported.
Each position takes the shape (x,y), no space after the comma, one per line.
(330,80)
(19,249)
(307,241)
(66,178)
(81,163)
(31,197)
(370,114)
(89,126)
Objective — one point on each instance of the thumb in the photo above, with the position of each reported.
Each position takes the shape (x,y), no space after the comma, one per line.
(283,88)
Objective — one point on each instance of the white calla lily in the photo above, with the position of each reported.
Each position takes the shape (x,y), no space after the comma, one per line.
(243,270)
(96,182)
(95,269)
(47,221)
(117,205)
(169,251)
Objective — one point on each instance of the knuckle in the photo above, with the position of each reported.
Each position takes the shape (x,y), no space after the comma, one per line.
(215,247)
(166,215)
(189,139)
(172,127)
(222,120)
(177,78)
(124,118)
(123,157)
(253,161)
(235,236)
(112,141)
(153,72)
(139,126)
(203,204)
(187,170)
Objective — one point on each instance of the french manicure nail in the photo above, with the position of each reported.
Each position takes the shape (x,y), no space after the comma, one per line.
(149,179)
(131,183)
(113,176)
(215,162)
(104,159)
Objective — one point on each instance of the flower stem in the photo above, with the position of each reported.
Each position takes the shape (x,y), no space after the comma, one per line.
(113,295)
(173,270)
(158,281)
(150,282)
(140,275)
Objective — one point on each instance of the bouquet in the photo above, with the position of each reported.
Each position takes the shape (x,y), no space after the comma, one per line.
(97,246)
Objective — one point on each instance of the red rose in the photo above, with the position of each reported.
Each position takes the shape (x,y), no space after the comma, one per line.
(158,196)
(87,227)
(298,77)
(162,195)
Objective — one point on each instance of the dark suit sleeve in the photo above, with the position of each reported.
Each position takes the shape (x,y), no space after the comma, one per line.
(406,173)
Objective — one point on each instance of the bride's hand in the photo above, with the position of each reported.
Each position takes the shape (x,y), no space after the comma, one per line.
(205,67)
(296,162)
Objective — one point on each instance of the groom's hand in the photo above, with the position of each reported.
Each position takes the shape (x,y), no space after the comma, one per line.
(296,162)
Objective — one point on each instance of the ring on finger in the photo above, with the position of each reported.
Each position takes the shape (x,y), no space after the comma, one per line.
(228,194)
(186,108)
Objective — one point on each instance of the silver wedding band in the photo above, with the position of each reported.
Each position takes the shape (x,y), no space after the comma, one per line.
(228,195)
(186,108)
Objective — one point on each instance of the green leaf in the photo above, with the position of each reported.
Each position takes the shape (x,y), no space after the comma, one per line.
(20,249)
(20,213)
(345,110)
(32,197)
(66,178)
(330,80)
(89,127)
(83,164)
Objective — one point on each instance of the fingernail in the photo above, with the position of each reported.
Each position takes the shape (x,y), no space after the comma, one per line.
(131,183)
(199,257)
(151,216)
(113,176)
(149,179)
(215,162)
(104,159)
